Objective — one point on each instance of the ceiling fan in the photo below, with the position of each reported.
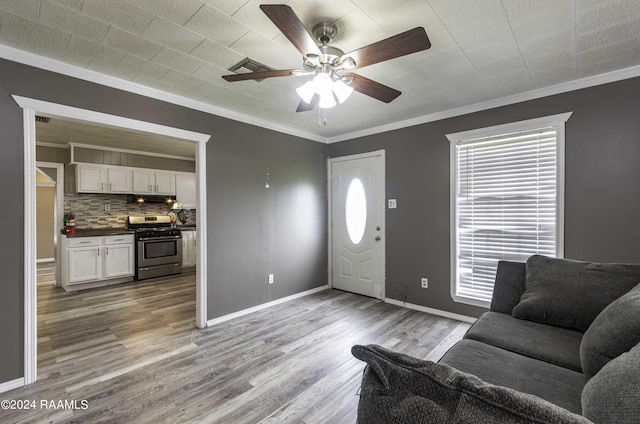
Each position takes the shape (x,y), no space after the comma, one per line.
(329,65)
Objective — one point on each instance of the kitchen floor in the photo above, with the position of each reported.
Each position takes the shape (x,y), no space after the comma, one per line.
(45,273)
(96,323)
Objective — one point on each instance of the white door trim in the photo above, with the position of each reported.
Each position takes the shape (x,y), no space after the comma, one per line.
(30,106)
(330,162)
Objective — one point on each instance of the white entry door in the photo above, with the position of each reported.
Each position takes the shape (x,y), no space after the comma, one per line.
(357,224)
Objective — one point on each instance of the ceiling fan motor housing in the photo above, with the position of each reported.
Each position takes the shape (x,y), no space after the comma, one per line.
(324,32)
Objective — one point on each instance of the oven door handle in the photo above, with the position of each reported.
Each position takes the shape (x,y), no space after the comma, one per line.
(159,238)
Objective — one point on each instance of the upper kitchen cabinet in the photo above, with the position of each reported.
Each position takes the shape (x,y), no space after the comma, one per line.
(186,190)
(148,181)
(103,179)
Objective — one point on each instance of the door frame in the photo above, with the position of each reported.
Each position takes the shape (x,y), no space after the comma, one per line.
(58,211)
(381,210)
(30,107)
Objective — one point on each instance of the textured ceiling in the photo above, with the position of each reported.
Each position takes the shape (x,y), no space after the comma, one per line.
(481,49)
(63,131)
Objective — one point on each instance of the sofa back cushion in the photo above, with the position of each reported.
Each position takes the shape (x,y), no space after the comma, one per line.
(614,331)
(398,388)
(571,293)
(613,394)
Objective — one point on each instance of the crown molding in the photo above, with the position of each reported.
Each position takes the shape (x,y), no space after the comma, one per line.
(56,66)
(53,65)
(565,87)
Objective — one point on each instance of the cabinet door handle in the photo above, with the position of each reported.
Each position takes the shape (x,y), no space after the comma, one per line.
(106,250)
(85,242)
(101,186)
(150,189)
(156,188)
(98,251)
(109,186)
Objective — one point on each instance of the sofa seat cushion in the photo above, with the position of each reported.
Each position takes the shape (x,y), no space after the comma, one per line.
(571,293)
(556,345)
(615,331)
(494,365)
(398,388)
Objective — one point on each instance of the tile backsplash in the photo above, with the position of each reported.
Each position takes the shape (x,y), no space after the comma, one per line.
(90,211)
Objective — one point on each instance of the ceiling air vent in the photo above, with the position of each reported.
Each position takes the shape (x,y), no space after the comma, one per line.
(42,119)
(247,66)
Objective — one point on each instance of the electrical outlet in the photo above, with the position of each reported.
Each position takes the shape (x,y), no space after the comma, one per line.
(107,208)
(75,206)
(270,278)
(425,283)
(392,203)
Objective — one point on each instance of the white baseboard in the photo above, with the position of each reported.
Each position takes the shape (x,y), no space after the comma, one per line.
(257,308)
(10,385)
(432,311)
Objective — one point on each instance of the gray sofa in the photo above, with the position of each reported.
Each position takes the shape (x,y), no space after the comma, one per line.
(560,343)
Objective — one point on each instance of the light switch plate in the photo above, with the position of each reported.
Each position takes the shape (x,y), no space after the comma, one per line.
(392,203)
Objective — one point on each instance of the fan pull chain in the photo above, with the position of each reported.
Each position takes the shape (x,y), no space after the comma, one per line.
(322,117)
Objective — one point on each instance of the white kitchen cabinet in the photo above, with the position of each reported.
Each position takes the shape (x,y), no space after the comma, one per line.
(119,255)
(96,261)
(102,179)
(83,261)
(189,249)
(119,180)
(149,181)
(186,190)
(90,178)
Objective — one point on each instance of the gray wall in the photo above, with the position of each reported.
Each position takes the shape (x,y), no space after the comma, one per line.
(602,186)
(284,226)
(295,207)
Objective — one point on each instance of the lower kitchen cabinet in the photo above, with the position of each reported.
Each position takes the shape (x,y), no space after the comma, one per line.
(189,249)
(96,261)
(119,254)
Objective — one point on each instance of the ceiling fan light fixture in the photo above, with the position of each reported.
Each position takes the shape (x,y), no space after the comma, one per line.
(326,100)
(348,63)
(322,82)
(306,91)
(324,88)
(342,90)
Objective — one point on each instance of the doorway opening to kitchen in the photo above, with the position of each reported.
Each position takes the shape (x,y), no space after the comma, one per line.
(32,107)
(49,210)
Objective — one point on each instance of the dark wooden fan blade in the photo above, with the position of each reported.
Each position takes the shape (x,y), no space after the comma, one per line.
(402,44)
(290,25)
(258,75)
(373,89)
(304,106)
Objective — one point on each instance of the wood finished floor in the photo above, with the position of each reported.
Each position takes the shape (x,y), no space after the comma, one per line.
(133,353)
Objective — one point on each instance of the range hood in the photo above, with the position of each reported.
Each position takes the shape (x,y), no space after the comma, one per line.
(150,198)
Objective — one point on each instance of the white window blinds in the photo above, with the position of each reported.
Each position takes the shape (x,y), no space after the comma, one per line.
(506,205)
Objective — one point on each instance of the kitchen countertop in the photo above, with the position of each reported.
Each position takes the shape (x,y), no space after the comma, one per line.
(92,232)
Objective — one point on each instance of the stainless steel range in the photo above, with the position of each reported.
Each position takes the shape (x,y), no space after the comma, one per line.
(158,246)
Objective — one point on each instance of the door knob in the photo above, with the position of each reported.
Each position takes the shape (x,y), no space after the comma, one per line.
(377,238)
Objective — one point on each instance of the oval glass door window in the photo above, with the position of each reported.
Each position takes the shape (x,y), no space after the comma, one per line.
(356,211)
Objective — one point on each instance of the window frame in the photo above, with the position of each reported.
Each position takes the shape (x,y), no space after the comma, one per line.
(558,122)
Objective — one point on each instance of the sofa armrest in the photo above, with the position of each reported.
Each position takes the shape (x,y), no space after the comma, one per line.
(509,286)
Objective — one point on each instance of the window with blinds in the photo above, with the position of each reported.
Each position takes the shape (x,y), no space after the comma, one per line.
(506,201)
